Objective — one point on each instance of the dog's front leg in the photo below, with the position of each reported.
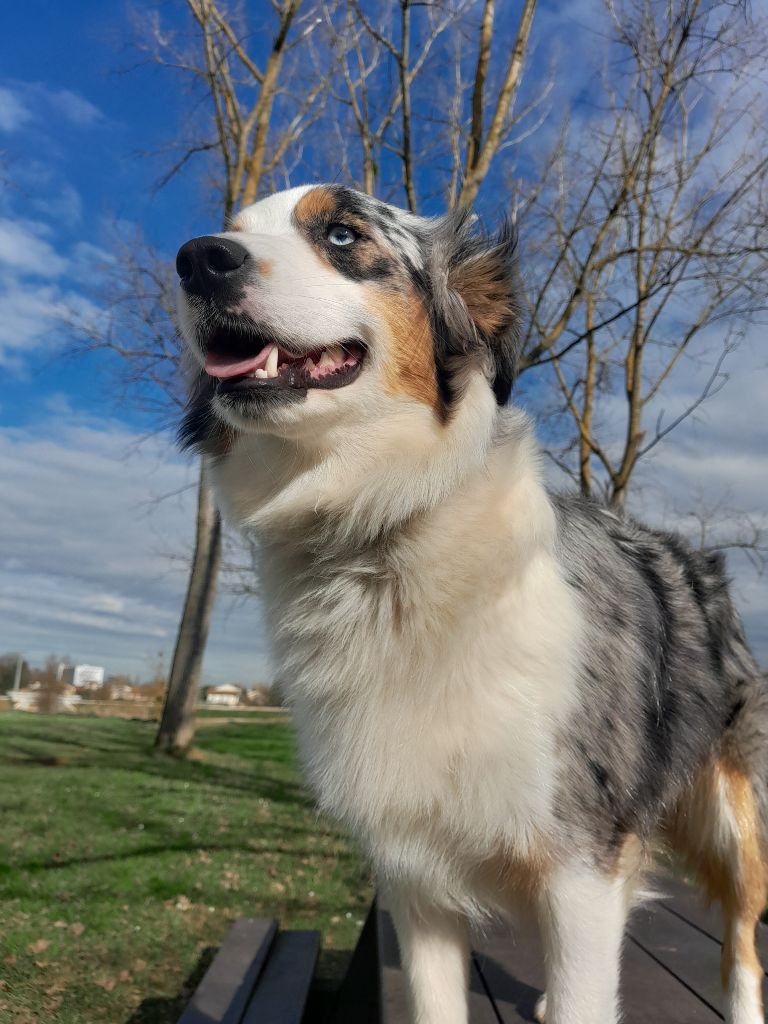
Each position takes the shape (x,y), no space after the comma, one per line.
(582,918)
(434,949)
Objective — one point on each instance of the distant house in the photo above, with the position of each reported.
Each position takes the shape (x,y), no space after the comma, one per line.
(258,697)
(62,697)
(226,695)
(23,700)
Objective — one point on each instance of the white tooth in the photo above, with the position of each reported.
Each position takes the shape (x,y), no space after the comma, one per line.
(272,362)
(260,373)
(336,353)
(326,359)
(309,365)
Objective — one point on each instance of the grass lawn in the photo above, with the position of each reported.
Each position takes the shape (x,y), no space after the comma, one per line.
(120,871)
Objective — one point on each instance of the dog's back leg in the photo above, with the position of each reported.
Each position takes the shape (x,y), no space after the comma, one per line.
(717,828)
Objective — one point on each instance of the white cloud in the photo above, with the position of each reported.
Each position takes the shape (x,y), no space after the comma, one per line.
(27,317)
(23,103)
(74,107)
(32,318)
(62,204)
(85,562)
(13,112)
(26,250)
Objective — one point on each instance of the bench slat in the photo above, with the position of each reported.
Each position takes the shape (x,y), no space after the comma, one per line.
(281,994)
(686,902)
(222,995)
(685,951)
(512,965)
(650,994)
(393,1005)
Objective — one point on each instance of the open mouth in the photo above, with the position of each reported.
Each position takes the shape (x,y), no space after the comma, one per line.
(240,362)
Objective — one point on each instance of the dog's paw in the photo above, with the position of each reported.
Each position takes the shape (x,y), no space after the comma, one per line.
(540,1009)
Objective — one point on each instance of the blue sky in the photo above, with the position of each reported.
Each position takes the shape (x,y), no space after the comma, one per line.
(91,546)
(97,508)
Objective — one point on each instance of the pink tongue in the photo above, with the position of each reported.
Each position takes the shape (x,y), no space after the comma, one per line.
(223,366)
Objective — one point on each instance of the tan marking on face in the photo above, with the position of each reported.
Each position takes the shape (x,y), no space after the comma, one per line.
(737,877)
(238,224)
(319,202)
(264,268)
(410,361)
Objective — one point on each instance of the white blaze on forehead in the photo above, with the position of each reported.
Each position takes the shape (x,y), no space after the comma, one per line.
(273,215)
(294,292)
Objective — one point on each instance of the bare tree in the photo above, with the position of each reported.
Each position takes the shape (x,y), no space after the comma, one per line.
(486,139)
(241,95)
(717,526)
(648,245)
(639,247)
(393,60)
(252,128)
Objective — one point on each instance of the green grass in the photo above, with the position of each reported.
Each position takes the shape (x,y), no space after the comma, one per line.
(120,871)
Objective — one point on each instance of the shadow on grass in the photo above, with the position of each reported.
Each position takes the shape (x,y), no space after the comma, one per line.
(168,1009)
(180,848)
(73,752)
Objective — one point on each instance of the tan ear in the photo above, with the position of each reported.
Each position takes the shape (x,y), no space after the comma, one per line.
(484,283)
(476,297)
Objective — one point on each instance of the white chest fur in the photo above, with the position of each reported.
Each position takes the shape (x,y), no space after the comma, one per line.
(429,683)
(430,673)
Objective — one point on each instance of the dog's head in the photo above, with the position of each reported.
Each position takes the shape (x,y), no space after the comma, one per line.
(324,306)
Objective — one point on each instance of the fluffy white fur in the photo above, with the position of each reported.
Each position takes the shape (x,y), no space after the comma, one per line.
(433,771)
(428,642)
(427,682)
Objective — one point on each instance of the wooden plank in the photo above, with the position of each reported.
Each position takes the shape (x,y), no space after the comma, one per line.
(689,954)
(670,972)
(393,1004)
(481,1009)
(358,998)
(222,995)
(651,995)
(512,965)
(281,993)
(686,902)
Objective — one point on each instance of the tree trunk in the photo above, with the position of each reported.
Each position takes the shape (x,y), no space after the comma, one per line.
(177,725)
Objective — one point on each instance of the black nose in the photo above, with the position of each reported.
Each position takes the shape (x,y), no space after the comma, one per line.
(210,265)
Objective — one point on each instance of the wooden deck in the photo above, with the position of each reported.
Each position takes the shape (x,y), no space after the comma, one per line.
(671,972)
(671,967)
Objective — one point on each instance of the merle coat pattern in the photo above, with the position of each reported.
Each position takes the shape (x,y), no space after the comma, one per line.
(511,698)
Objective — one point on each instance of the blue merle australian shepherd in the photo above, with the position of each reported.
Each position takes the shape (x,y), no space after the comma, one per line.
(511,699)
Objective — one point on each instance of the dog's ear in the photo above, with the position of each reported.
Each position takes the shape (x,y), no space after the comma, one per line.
(476,303)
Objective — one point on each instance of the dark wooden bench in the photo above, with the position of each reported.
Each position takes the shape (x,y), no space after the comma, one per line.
(259,976)
(671,971)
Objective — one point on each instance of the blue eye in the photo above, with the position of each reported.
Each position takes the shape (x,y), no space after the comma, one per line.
(338,234)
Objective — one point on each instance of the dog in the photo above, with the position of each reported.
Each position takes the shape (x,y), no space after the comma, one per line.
(510,698)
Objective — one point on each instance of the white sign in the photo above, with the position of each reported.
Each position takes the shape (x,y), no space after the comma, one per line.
(87,675)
